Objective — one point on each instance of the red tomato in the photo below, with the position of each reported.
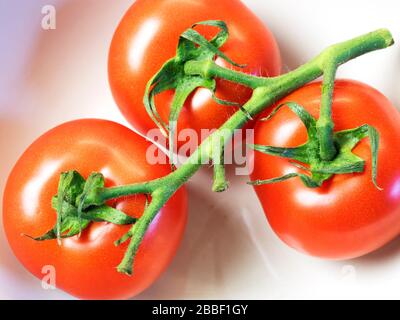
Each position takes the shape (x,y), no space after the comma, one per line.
(348,216)
(86,267)
(148,36)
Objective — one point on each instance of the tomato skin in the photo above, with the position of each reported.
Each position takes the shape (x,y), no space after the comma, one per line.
(148,36)
(347,217)
(86,266)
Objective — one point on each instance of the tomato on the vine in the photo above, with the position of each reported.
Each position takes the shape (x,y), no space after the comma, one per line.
(85,266)
(348,216)
(148,36)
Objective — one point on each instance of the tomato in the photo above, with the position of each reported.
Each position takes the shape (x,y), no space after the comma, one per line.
(148,36)
(86,266)
(348,216)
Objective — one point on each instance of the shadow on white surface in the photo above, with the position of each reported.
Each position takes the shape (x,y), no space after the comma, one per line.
(216,257)
(384,255)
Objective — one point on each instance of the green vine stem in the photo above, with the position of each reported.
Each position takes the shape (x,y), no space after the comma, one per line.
(266,92)
(325,124)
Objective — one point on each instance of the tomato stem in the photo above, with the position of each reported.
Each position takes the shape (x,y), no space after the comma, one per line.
(266,92)
(326,62)
(209,69)
(138,230)
(220,184)
(105,194)
(325,123)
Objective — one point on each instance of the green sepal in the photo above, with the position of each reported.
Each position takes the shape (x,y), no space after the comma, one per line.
(72,224)
(308,181)
(166,79)
(345,161)
(348,139)
(77,205)
(70,227)
(300,153)
(70,185)
(308,120)
(88,195)
(101,213)
(192,46)
(210,48)
(182,91)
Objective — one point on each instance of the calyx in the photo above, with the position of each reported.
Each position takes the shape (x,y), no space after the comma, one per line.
(192,46)
(77,205)
(308,154)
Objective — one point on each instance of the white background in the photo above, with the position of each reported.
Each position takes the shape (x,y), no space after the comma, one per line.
(229,251)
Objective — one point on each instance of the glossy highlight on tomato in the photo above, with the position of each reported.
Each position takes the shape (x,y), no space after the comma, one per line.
(147,37)
(86,266)
(348,216)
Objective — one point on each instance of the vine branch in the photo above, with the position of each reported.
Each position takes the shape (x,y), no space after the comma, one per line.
(266,92)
